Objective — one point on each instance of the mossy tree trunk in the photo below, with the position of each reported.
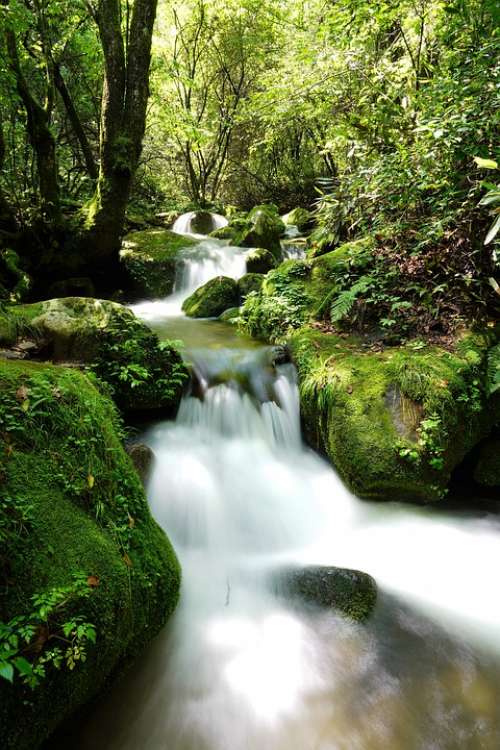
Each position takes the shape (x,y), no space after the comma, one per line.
(124,101)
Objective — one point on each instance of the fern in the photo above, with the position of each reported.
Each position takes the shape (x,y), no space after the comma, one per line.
(493,371)
(346,299)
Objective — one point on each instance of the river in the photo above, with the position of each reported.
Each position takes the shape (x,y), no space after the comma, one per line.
(239,494)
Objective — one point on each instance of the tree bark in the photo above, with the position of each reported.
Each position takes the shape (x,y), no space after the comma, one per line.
(7,218)
(124,101)
(40,136)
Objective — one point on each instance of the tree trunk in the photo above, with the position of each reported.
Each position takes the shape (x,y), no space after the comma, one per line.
(40,136)
(124,101)
(7,218)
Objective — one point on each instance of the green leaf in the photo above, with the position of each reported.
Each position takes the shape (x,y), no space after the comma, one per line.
(495,227)
(485,163)
(6,671)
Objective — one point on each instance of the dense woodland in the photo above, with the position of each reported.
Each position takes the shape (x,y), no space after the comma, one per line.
(370,127)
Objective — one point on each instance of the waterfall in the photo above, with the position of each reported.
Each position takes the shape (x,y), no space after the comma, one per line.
(239,668)
(196,265)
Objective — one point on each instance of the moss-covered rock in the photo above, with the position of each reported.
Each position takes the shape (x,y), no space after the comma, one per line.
(349,591)
(250,282)
(298,217)
(211,299)
(395,423)
(149,259)
(264,230)
(487,469)
(143,373)
(260,260)
(78,548)
(230,315)
(229,232)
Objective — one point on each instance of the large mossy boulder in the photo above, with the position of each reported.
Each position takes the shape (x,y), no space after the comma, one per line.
(349,591)
(395,423)
(211,299)
(143,373)
(264,229)
(150,258)
(87,578)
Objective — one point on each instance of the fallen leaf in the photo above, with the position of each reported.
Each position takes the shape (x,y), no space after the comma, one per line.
(349,389)
(127,560)
(131,521)
(93,582)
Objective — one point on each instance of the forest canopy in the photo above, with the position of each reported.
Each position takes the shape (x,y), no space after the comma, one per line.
(381,117)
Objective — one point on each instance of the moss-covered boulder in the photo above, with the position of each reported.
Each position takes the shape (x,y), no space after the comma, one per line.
(395,422)
(298,217)
(349,591)
(231,315)
(264,229)
(143,373)
(211,299)
(149,260)
(487,469)
(229,232)
(260,260)
(87,576)
(250,282)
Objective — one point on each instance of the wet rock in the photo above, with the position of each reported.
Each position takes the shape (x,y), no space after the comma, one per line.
(298,217)
(202,222)
(149,259)
(265,229)
(228,316)
(349,591)
(213,298)
(280,355)
(142,457)
(260,261)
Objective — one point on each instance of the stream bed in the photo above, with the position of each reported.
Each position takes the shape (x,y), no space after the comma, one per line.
(239,494)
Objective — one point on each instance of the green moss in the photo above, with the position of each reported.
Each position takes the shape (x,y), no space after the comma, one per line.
(395,423)
(213,298)
(150,259)
(87,513)
(143,373)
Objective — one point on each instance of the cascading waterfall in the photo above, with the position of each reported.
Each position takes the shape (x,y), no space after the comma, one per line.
(239,668)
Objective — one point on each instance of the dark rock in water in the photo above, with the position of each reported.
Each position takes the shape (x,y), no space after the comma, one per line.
(202,222)
(350,591)
(75,287)
(142,457)
(280,355)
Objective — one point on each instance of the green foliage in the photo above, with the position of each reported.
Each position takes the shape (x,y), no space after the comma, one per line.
(137,367)
(44,638)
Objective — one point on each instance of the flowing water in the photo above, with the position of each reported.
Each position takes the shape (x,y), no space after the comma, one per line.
(238,667)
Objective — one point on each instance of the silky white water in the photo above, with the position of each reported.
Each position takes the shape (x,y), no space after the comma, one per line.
(238,668)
